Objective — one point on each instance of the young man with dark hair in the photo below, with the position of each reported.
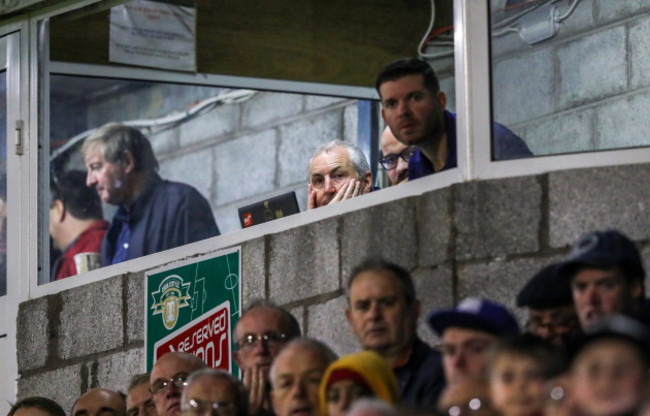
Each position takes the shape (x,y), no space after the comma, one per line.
(414,108)
(606,275)
(382,312)
(76,224)
(35,406)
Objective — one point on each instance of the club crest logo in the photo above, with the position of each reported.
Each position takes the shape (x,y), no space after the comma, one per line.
(172,295)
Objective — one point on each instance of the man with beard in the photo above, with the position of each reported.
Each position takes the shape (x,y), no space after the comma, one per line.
(414,108)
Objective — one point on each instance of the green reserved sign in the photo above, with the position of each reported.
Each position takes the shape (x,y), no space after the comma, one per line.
(194,307)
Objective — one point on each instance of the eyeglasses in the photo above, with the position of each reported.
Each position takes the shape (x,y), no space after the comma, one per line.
(179,381)
(390,161)
(198,406)
(270,339)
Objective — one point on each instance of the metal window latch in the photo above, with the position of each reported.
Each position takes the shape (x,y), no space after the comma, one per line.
(19,137)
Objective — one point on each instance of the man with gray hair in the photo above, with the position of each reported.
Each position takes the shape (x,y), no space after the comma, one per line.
(153,214)
(296,374)
(337,170)
(214,392)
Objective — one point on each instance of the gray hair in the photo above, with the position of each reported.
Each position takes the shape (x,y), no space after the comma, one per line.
(138,379)
(357,157)
(291,325)
(241,394)
(114,139)
(305,343)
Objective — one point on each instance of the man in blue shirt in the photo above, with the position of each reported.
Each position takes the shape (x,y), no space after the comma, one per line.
(414,108)
(153,214)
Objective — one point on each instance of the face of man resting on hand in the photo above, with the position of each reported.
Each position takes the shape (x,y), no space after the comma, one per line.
(333,178)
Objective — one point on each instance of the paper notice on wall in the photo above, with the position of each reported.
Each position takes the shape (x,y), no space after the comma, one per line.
(153,34)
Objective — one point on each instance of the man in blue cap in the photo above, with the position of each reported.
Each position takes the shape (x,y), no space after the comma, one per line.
(606,274)
(467,332)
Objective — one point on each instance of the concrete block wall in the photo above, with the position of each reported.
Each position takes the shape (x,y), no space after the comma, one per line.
(584,89)
(481,238)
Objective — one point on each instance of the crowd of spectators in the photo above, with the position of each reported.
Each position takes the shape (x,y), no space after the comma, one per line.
(585,350)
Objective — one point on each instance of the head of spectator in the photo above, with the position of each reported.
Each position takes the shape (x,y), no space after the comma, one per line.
(263,329)
(518,368)
(99,402)
(469,397)
(467,332)
(364,374)
(338,170)
(73,207)
(413,106)
(296,374)
(382,308)
(551,315)
(168,379)
(395,158)
(606,275)
(214,392)
(120,162)
(609,369)
(36,406)
(139,401)
(371,407)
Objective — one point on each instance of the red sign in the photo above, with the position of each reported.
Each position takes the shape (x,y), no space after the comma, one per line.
(207,337)
(248,219)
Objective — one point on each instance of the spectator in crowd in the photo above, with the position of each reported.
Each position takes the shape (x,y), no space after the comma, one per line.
(414,108)
(607,276)
(296,374)
(518,368)
(371,407)
(139,401)
(467,332)
(169,378)
(337,170)
(214,392)
(383,311)
(263,329)
(77,226)
(395,158)
(99,402)
(153,214)
(609,371)
(551,315)
(36,406)
(470,396)
(364,374)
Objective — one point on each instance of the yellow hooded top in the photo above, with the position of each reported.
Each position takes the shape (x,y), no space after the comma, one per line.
(370,367)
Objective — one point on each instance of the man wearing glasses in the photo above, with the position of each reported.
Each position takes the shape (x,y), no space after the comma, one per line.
(215,393)
(169,378)
(263,329)
(395,158)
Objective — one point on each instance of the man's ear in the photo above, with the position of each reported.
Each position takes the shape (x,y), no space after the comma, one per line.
(128,162)
(637,290)
(348,316)
(366,183)
(235,355)
(382,114)
(59,209)
(441,98)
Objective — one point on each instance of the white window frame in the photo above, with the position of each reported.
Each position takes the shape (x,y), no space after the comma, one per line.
(474,155)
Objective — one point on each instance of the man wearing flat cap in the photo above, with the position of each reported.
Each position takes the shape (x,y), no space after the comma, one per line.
(551,315)
(467,332)
(606,275)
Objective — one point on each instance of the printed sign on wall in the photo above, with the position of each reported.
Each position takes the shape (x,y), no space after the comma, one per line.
(154,34)
(193,307)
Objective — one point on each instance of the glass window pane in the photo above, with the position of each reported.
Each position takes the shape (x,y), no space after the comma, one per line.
(570,76)
(3,183)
